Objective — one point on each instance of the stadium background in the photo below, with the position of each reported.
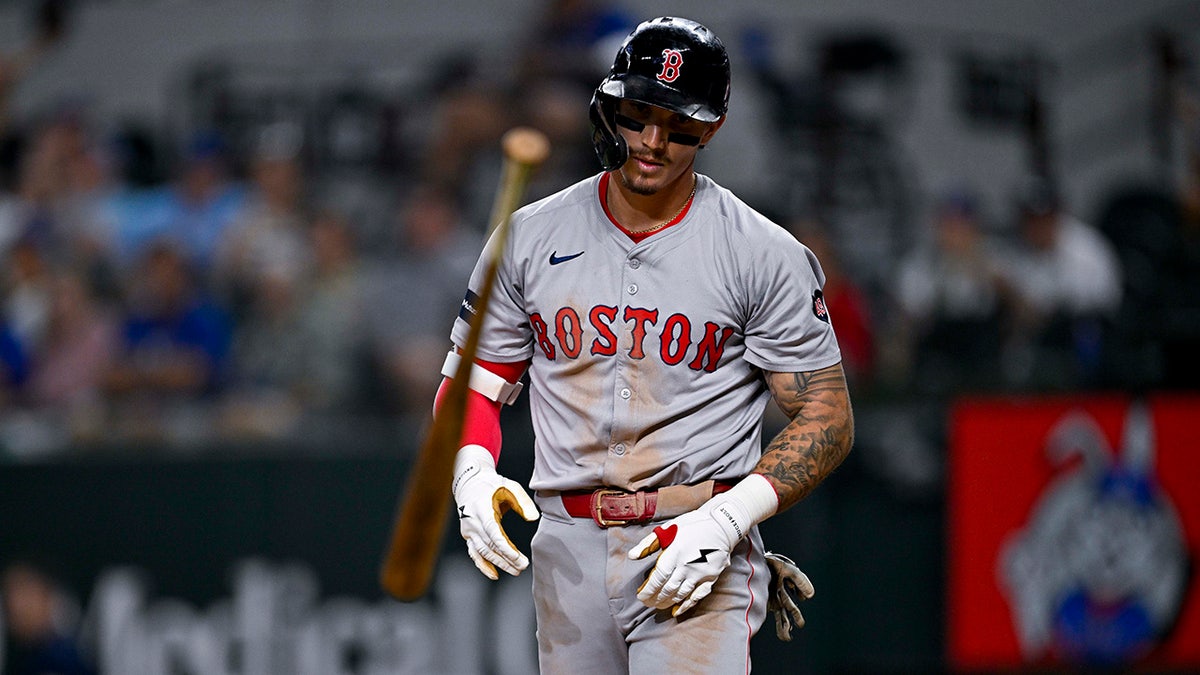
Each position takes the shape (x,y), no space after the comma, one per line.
(201,541)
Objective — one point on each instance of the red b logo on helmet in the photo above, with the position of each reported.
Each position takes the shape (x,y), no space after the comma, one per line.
(672,62)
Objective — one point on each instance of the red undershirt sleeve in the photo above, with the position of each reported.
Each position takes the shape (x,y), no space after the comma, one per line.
(481,416)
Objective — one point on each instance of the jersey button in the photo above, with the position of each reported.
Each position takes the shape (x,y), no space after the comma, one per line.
(632,289)
(619,449)
(635,263)
(625,393)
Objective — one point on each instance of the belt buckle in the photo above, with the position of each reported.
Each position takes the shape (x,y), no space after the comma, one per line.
(597,515)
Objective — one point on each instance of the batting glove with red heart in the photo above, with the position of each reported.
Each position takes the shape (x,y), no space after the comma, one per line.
(695,547)
(482,497)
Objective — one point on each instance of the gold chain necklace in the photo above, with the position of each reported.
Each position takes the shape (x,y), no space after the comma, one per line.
(668,221)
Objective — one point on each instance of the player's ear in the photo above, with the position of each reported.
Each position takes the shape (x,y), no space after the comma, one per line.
(712,130)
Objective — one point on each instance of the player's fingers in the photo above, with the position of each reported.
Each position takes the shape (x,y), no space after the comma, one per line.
(645,547)
(517,499)
(681,587)
(511,565)
(800,583)
(699,593)
(493,545)
(482,565)
(650,591)
(514,566)
(794,615)
(493,534)
(789,607)
(660,601)
(677,588)
(498,549)
(783,626)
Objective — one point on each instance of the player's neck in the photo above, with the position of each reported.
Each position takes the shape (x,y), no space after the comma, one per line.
(641,212)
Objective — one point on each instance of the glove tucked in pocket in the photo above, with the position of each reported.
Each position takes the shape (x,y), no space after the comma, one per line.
(788,586)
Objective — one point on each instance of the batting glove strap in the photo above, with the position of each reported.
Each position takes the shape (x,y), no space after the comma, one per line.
(482,497)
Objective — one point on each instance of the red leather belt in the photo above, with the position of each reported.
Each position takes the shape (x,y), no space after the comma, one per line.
(609,506)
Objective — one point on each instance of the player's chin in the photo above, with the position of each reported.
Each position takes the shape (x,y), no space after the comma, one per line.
(641,183)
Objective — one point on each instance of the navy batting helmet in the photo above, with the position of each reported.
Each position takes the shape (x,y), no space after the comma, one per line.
(667,62)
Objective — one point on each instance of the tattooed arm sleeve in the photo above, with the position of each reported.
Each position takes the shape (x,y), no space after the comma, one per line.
(818,437)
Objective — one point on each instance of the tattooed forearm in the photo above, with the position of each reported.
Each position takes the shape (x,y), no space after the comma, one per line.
(817,439)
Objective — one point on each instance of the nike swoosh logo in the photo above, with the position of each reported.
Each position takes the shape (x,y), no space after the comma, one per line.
(555,259)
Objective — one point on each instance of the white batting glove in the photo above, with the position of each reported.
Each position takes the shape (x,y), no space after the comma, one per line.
(482,497)
(696,545)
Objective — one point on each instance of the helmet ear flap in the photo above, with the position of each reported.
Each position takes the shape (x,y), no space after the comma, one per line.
(609,145)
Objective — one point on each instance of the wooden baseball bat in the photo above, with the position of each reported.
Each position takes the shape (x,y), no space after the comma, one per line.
(421,518)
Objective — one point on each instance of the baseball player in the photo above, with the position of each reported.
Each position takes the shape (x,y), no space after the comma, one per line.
(655,314)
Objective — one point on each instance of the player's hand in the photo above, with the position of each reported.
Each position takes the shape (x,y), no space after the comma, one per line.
(482,497)
(695,549)
(787,587)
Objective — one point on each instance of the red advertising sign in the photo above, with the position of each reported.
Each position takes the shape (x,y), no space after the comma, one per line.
(1073,525)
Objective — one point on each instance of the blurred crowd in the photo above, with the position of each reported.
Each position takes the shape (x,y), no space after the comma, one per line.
(230,299)
(201,291)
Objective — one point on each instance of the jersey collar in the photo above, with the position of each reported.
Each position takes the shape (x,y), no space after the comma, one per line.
(637,237)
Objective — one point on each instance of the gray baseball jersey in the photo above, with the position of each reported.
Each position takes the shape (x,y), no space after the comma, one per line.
(647,357)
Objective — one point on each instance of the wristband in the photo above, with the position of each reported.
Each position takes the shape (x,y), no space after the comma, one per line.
(746,504)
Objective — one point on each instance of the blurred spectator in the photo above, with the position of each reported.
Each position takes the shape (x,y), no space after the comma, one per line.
(36,618)
(14,364)
(836,120)
(136,205)
(65,197)
(89,221)
(954,301)
(300,346)
(332,316)
(574,40)
(267,237)
(175,339)
(558,108)
(26,291)
(42,182)
(267,361)
(413,297)
(847,303)
(199,207)
(559,62)
(1069,279)
(48,176)
(469,116)
(12,209)
(76,352)
(15,63)
(49,24)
